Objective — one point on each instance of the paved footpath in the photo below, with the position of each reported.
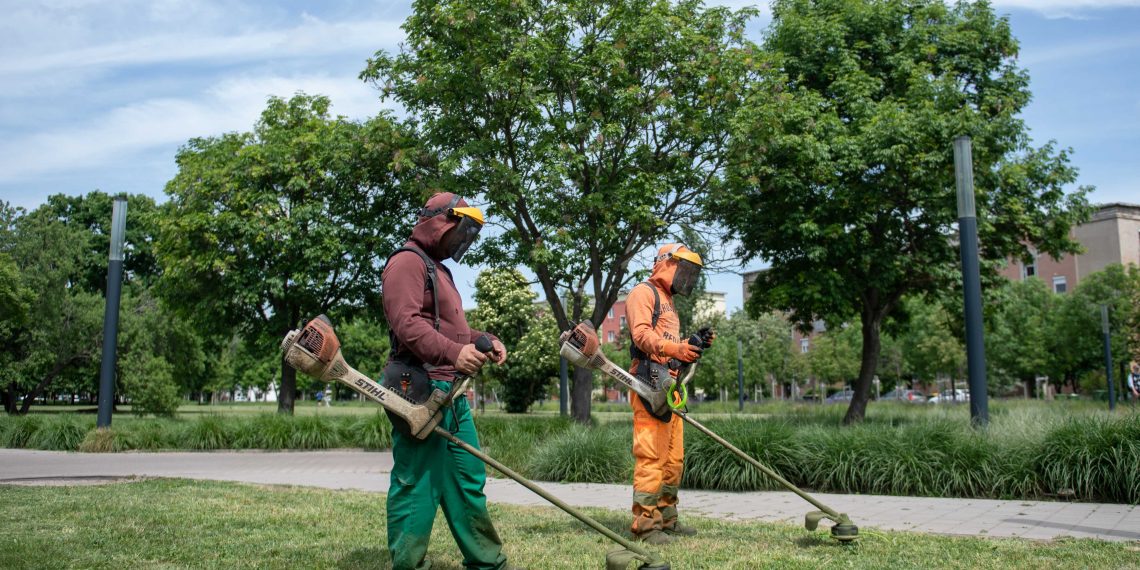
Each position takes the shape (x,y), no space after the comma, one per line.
(368,471)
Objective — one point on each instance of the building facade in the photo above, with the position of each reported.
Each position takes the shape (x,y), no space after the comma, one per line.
(1111,236)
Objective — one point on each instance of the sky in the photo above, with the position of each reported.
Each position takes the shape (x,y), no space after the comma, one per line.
(100,94)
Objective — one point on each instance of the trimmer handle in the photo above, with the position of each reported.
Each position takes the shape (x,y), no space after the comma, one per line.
(483,344)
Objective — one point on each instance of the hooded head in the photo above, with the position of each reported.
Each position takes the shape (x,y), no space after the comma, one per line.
(676,268)
(447,226)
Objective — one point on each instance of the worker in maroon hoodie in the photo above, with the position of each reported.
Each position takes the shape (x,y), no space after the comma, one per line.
(430,333)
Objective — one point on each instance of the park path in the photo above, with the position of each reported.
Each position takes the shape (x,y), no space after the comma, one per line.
(369,471)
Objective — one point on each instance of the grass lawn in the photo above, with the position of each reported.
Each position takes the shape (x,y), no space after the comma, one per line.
(183,524)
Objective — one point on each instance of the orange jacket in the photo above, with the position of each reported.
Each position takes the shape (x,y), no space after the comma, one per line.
(639,312)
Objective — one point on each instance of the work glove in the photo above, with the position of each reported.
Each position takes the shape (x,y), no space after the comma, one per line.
(703,338)
(682,351)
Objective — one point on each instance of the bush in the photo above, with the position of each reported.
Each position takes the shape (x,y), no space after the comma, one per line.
(709,465)
(367,432)
(1096,458)
(313,432)
(19,430)
(149,381)
(585,455)
(209,432)
(60,433)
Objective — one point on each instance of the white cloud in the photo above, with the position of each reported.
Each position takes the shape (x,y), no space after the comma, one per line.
(313,38)
(1079,50)
(1063,8)
(126,131)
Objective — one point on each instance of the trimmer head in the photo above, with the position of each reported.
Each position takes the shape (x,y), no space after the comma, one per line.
(620,560)
(844,530)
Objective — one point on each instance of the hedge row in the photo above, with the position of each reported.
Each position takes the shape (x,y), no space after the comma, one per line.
(1088,457)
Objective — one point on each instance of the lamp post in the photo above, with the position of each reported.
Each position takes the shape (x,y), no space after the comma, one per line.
(740,373)
(111,316)
(971,281)
(1107,357)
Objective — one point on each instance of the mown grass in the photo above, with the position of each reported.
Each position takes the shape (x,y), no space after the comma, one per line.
(189,524)
(1030,451)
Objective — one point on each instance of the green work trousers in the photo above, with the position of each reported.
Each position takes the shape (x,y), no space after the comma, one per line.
(435,472)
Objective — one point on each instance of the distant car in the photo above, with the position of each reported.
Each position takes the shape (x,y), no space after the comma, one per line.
(904,395)
(958,395)
(845,395)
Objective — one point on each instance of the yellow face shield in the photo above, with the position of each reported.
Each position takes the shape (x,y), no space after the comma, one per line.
(457,239)
(688,271)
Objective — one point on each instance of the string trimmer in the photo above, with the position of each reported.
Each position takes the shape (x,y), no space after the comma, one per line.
(580,347)
(315,351)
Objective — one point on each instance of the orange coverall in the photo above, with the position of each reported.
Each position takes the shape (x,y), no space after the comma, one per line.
(658,447)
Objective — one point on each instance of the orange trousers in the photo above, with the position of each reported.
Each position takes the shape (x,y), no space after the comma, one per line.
(659,456)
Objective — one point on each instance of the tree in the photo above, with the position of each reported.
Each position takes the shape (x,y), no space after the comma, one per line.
(845,183)
(154,339)
(929,343)
(1019,337)
(63,324)
(834,356)
(270,227)
(505,307)
(766,344)
(593,129)
(1077,340)
(92,214)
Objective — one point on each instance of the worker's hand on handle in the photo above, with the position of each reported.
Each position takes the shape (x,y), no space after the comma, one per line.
(703,338)
(683,351)
(470,360)
(498,352)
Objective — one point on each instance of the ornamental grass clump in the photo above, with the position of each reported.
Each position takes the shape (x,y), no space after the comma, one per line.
(372,431)
(17,430)
(208,432)
(584,455)
(60,433)
(709,465)
(313,432)
(1093,459)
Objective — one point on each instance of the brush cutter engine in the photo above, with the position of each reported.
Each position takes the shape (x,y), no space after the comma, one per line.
(315,351)
(580,347)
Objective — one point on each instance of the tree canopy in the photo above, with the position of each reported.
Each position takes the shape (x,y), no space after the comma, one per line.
(270,227)
(592,129)
(845,183)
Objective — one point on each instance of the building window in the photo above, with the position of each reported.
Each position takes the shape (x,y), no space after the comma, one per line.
(1059,284)
(1029,269)
(623,321)
(610,336)
(804,344)
(611,312)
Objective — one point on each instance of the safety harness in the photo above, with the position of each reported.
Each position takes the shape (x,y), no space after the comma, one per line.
(653,373)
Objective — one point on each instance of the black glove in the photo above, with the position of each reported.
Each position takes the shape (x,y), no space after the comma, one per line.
(703,338)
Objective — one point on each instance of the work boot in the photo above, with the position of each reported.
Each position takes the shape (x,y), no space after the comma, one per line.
(678,529)
(655,537)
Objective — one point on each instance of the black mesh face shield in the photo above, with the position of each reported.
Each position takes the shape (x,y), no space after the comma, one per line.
(685,279)
(458,239)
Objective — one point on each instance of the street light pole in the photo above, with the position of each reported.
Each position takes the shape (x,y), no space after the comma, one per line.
(740,373)
(1107,356)
(971,281)
(111,316)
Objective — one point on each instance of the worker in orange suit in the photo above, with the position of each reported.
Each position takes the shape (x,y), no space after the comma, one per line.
(658,439)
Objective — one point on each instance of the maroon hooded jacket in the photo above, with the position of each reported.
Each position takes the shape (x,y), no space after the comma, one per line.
(408,300)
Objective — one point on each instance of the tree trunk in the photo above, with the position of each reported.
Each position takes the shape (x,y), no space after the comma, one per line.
(580,393)
(870,361)
(35,393)
(10,399)
(288,390)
